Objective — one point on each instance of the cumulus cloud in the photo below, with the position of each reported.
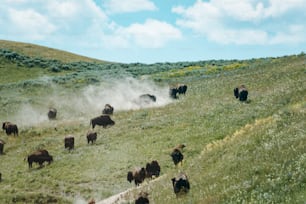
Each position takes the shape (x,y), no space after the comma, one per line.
(242,22)
(119,6)
(30,23)
(151,34)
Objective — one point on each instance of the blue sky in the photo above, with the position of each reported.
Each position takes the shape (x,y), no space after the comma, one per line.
(150,31)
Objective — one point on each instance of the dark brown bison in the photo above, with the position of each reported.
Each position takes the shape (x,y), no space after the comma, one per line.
(241,93)
(177,89)
(0,177)
(177,156)
(10,128)
(182,88)
(180,184)
(40,156)
(173,92)
(142,198)
(1,146)
(69,142)
(152,169)
(147,98)
(52,113)
(138,175)
(91,137)
(103,120)
(108,109)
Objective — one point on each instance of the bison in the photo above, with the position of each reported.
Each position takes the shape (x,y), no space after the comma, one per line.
(180,184)
(1,146)
(177,89)
(142,198)
(0,177)
(152,169)
(241,92)
(138,175)
(40,156)
(108,109)
(173,92)
(182,88)
(91,137)
(10,128)
(69,142)
(147,98)
(177,156)
(52,114)
(103,120)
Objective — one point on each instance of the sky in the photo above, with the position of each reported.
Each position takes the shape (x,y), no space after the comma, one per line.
(151,31)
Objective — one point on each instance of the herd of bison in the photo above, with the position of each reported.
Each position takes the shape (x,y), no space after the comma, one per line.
(152,169)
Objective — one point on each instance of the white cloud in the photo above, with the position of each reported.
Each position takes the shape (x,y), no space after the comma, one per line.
(30,24)
(242,22)
(119,6)
(151,34)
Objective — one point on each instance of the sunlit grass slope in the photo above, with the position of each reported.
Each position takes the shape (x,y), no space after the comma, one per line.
(252,152)
(33,50)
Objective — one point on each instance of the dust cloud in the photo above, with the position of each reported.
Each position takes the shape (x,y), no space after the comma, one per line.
(83,103)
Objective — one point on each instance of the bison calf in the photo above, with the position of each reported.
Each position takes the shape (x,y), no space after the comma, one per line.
(91,137)
(180,184)
(138,175)
(10,128)
(69,142)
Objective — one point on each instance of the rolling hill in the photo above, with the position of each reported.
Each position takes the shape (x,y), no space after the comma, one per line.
(236,152)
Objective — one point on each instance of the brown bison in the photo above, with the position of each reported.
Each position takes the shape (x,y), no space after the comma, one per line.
(69,142)
(103,120)
(52,114)
(180,184)
(138,175)
(10,128)
(40,156)
(0,177)
(108,109)
(91,137)
(241,92)
(177,156)
(152,169)
(142,198)
(1,146)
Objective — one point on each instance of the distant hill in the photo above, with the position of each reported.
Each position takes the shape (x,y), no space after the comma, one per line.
(33,50)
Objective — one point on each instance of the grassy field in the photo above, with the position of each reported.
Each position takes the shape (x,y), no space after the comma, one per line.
(252,152)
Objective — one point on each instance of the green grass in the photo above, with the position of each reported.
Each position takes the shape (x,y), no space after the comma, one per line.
(236,152)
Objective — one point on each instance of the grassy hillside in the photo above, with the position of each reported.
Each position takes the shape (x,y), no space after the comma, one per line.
(252,152)
(43,52)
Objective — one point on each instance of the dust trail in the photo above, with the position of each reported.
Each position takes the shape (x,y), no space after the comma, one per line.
(81,104)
